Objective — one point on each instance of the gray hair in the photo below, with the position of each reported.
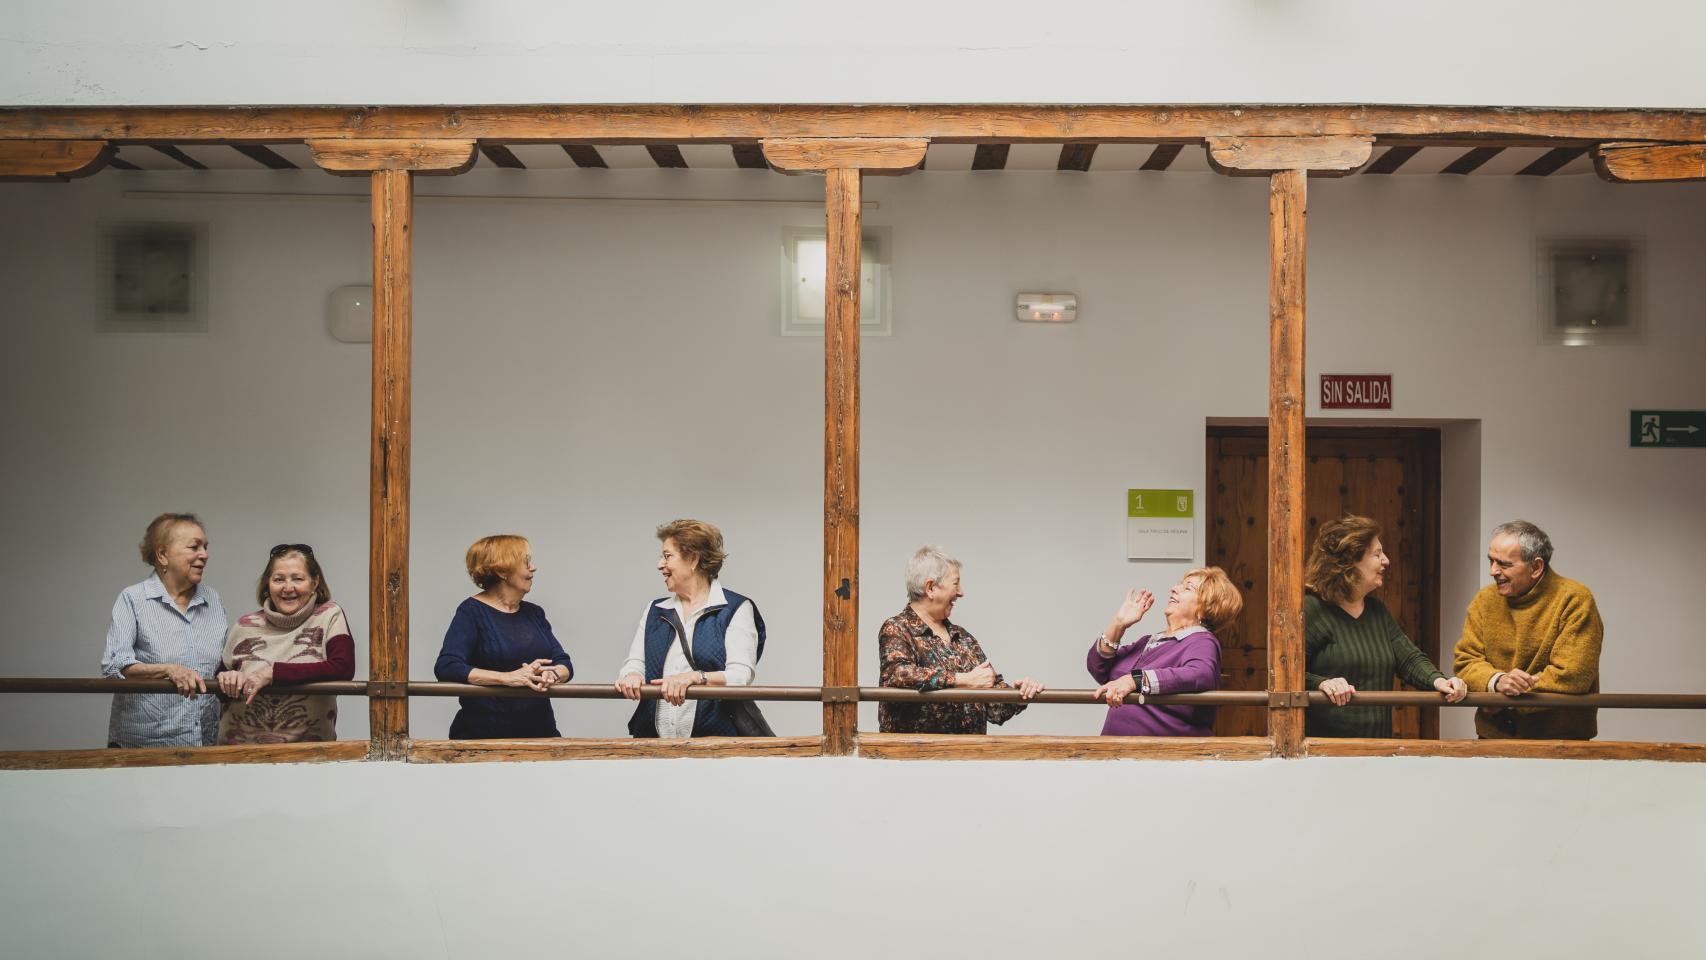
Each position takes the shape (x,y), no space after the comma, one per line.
(929,563)
(1533,540)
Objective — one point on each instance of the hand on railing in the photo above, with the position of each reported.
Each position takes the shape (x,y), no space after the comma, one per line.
(675,686)
(1116,690)
(1029,688)
(243,685)
(629,685)
(1338,690)
(980,677)
(1514,683)
(1453,688)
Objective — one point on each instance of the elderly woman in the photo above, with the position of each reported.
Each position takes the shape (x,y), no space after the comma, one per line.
(923,650)
(699,634)
(168,627)
(497,639)
(1185,658)
(1350,639)
(297,636)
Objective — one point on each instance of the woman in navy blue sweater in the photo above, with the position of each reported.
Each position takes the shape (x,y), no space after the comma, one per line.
(498,639)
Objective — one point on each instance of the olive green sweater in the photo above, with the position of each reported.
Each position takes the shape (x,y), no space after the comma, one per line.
(1553,632)
(1368,651)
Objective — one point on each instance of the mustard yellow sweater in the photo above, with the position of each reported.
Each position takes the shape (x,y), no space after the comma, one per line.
(1553,632)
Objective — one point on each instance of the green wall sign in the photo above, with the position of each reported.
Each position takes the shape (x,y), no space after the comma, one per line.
(1667,428)
(1160,503)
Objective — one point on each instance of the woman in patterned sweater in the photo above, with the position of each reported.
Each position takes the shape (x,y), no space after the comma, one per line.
(1351,640)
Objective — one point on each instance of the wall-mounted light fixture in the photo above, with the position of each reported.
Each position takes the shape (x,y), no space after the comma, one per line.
(1047,307)
(349,314)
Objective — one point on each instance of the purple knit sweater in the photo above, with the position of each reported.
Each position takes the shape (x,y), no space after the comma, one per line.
(1187,665)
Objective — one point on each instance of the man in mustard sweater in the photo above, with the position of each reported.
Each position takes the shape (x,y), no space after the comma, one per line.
(1531,630)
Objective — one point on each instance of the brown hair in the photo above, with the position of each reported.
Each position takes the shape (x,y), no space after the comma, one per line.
(493,558)
(1331,572)
(698,540)
(159,535)
(1218,600)
(322,592)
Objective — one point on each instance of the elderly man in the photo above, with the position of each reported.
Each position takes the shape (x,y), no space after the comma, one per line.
(1531,630)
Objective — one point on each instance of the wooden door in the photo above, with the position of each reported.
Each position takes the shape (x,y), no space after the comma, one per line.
(1389,474)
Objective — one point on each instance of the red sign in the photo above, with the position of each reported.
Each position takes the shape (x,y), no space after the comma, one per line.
(1356,391)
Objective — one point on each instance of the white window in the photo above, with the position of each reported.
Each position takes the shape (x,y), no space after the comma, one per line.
(803,253)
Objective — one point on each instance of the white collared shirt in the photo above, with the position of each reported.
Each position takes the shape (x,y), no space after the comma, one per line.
(740,645)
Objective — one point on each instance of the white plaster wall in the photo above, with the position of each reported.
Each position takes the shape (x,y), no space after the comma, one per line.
(850,858)
(583,372)
(1560,53)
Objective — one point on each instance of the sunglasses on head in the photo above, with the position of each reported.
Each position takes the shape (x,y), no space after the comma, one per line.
(285,548)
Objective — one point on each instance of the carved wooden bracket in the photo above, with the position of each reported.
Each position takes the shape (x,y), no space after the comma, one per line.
(1261,156)
(52,159)
(890,157)
(362,157)
(1650,162)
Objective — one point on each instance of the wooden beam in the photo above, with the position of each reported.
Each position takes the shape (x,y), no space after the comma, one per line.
(1163,156)
(182,756)
(818,155)
(501,156)
(53,159)
(909,746)
(842,193)
(585,156)
(1287,244)
(388,488)
(1392,159)
(977,123)
(667,156)
(172,152)
(1472,160)
(1551,162)
(749,156)
(1076,157)
(361,157)
(1647,163)
(1520,749)
(1260,156)
(264,156)
(120,163)
(990,156)
(506,751)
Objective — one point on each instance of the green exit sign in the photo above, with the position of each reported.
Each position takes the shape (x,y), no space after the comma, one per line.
(1159,503)
(1667,428)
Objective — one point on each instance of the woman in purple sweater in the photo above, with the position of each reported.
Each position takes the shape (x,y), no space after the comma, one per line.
(1183,659)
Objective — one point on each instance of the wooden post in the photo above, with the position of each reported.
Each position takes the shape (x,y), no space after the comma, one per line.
(388,562)
(841,200)
(1286,235)
(843,164)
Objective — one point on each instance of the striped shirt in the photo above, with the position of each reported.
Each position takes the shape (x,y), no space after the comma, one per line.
(148,627)
(1368,651)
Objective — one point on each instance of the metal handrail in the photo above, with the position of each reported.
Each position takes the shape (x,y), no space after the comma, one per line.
(605,691)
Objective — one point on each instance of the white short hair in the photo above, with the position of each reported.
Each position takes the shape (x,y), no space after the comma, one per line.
(929,563)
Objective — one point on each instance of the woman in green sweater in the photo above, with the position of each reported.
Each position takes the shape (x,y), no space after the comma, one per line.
(1351,640)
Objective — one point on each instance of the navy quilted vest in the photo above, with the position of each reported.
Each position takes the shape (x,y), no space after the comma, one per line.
(709,655)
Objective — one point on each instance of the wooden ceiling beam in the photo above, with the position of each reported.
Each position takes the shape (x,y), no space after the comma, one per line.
(872,155)
(585,156)
(667,156)
(502,156)
(1076,157)
(1392,159)
(990,156)
(1646,163)
(749,156)
(1163,156)
(1264,156)
(53,159)
(264,156)
(952,124)
(1551,161)
(1472,160)
(168,150)
(361,157)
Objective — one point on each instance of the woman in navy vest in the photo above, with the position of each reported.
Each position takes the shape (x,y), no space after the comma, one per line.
(497,639)
(721,628)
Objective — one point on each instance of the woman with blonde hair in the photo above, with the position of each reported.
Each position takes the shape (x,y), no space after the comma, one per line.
(497,639)
(1350,639)
(1184,658)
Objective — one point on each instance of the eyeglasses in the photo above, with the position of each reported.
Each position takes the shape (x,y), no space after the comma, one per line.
(285,548)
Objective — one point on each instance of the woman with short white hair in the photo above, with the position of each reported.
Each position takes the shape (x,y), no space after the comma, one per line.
(923,650)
